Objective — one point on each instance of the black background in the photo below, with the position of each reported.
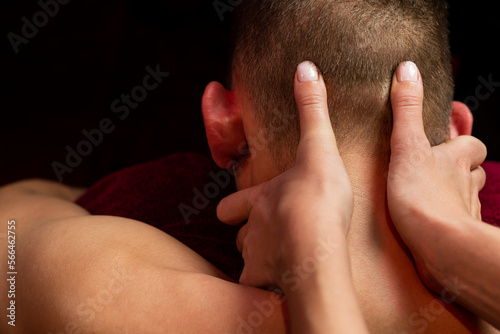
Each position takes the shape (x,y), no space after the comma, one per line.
(65,78)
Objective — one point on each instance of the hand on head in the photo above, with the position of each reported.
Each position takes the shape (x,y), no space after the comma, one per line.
(428,187)
(289,214)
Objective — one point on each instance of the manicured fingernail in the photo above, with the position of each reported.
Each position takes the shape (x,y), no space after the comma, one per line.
(407,71)
(307,71)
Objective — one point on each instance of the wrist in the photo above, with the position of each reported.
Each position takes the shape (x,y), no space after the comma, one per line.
(320,293)
(329,255)
(440,255)
(310,250)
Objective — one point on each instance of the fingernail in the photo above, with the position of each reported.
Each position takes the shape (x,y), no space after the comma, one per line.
(307,71)
(407,71)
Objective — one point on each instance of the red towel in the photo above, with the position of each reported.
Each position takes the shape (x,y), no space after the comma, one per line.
(179,194)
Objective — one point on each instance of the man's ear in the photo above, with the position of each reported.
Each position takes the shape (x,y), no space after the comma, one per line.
(460,120)
(223,124)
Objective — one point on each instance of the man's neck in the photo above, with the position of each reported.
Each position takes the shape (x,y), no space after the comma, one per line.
(387,284)
(371,232)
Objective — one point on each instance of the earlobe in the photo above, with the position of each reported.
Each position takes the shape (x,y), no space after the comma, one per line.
(223,124)
(460,120)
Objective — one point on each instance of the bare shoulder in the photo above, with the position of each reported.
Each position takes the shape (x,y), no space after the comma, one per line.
(105,274)
(106,239)
(77,273)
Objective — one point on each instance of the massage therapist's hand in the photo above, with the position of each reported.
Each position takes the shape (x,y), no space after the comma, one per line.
(298,221)
(431,191)
(290,213)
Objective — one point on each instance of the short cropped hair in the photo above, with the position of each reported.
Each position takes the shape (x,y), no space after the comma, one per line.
(357,45)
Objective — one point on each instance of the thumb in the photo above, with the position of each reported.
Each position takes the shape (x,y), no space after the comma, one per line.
(407,94)
(316,133)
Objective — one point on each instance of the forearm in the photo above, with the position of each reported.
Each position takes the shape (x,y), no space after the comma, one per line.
(324,301)
(469,268)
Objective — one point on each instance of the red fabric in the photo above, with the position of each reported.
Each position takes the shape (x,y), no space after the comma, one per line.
(152,193)
(490,195)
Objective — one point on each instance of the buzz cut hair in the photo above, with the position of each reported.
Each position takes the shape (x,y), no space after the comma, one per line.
(357,45)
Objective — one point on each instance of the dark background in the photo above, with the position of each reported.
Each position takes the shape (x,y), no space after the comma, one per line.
(65,78)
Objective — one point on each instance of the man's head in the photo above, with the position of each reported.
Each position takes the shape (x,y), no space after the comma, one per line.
(357,45)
